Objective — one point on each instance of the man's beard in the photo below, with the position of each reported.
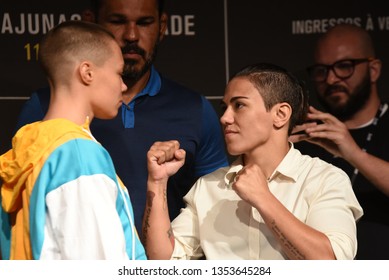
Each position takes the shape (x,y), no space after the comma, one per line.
(131,73)
(355,102)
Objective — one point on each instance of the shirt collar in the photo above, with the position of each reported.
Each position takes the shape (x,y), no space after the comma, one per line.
(288,167)
(153,86)
(235,167)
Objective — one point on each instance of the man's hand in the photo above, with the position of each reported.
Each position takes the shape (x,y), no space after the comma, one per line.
(328,132)
(298,132)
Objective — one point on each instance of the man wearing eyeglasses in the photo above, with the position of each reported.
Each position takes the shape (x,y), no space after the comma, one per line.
(353,133)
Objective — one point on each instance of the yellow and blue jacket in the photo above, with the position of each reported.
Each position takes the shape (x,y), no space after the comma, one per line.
(61,197)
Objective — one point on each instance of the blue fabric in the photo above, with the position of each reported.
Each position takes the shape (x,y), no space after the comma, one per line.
(5,234)
(152,88)
(34,109)
(172,113)
(56,172)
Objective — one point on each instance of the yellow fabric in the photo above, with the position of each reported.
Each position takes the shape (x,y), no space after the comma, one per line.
(20,167)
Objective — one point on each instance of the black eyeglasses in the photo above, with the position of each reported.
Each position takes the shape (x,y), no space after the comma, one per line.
(342,69)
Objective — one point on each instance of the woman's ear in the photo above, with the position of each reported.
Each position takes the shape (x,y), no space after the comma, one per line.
(281,112)
(86,72)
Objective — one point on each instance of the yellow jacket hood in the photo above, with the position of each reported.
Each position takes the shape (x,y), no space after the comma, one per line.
(30,147)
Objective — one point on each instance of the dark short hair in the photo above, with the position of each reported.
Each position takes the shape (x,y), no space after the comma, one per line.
(73,39)
(276,85)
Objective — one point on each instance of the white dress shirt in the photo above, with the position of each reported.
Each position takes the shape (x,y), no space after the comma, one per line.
(218,224)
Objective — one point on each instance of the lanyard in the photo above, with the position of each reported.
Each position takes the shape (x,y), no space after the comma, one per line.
(381,111)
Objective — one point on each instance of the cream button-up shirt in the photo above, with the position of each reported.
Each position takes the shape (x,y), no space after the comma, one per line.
(218,224)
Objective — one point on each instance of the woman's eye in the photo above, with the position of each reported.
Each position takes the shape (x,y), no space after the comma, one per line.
(238,105)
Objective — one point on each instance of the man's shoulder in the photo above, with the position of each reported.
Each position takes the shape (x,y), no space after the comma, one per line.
(43,96)
(173,86)
(43,92)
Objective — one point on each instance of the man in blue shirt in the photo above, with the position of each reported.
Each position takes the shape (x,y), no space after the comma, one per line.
(154,108)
